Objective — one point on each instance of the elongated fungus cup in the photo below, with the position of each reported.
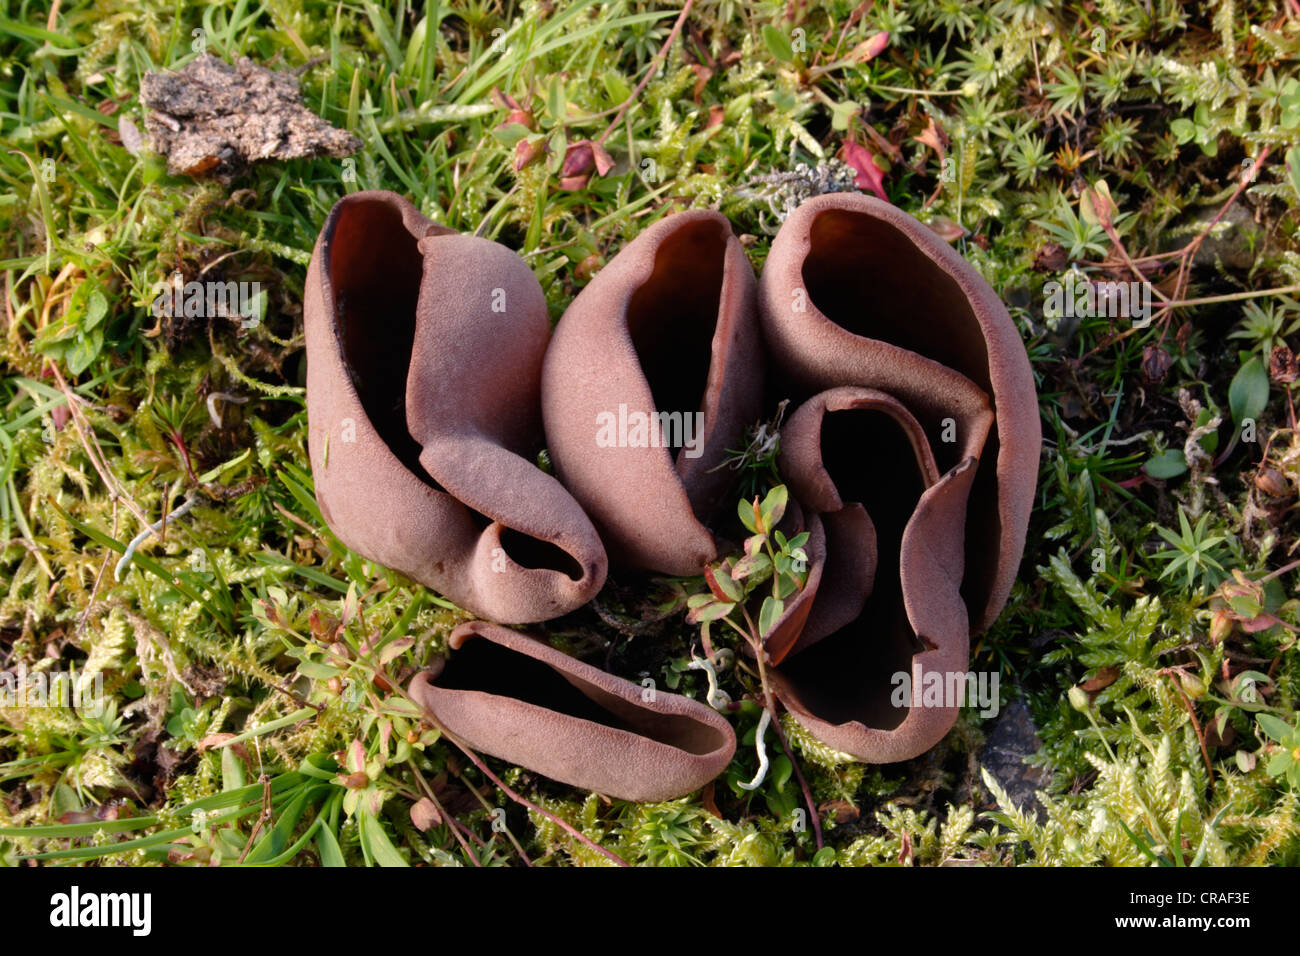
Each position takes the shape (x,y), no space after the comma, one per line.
(424,356)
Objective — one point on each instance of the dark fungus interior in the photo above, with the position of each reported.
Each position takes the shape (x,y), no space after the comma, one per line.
(673,316)
(848,675)
(865,276)
(375,268)
(483,665)
(529,552)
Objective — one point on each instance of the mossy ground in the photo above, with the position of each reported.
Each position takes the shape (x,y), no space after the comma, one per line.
(994,120)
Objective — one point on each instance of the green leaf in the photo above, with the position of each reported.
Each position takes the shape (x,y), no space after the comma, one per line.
(770,614)
(841,113)
(15,28)
(64,800)
(510,134)
(781,804)
(1168,464)
(1210,440)
(415,47)
(96,309)
(556,101)
(746,511)
(302,713)
(395,649)
(1248,393)
(755,566)
(1183,129)
(71,831)
(375,840)
(778,44)
(1293,167)
(709,612)
(318,671)
(274,841)
(1279,764)
(1276,728)
(616,87)
(214,473)
(232,770)
(722,585)
(1245,606)
(327,845)
(83,351)
(781,771)
(1290,103)
(773,506)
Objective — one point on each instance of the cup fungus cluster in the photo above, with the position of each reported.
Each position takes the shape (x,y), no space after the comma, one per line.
(911,452)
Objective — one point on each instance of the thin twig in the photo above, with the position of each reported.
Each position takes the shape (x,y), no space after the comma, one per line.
(649,74)
(1172,674)
(262,818)
(483,768)
(450,820)
(769,704)
(1233,296)
(803,783)
(489,807)
(99,576)
(91,446)
(1188,253)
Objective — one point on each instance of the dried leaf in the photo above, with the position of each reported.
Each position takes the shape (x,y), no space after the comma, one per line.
(425,815)
(870,175)
(1101,680)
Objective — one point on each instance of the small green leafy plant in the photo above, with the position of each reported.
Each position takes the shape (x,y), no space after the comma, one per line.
(1284,762)
(770,558)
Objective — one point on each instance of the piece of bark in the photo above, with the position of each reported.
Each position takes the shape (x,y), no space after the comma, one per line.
(213,118)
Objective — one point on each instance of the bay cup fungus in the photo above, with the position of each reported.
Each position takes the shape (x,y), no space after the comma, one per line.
(917,441)
(668,331)
(519,699)
(910,456)
(424,360)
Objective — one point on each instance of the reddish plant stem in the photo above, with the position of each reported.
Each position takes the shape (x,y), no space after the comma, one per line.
(501,785)
(179,441)
(1172,674)
(1188,253)
(452,822)
(487,806)
(654,67)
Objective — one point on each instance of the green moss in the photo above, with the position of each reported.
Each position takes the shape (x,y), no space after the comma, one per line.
(223,626)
